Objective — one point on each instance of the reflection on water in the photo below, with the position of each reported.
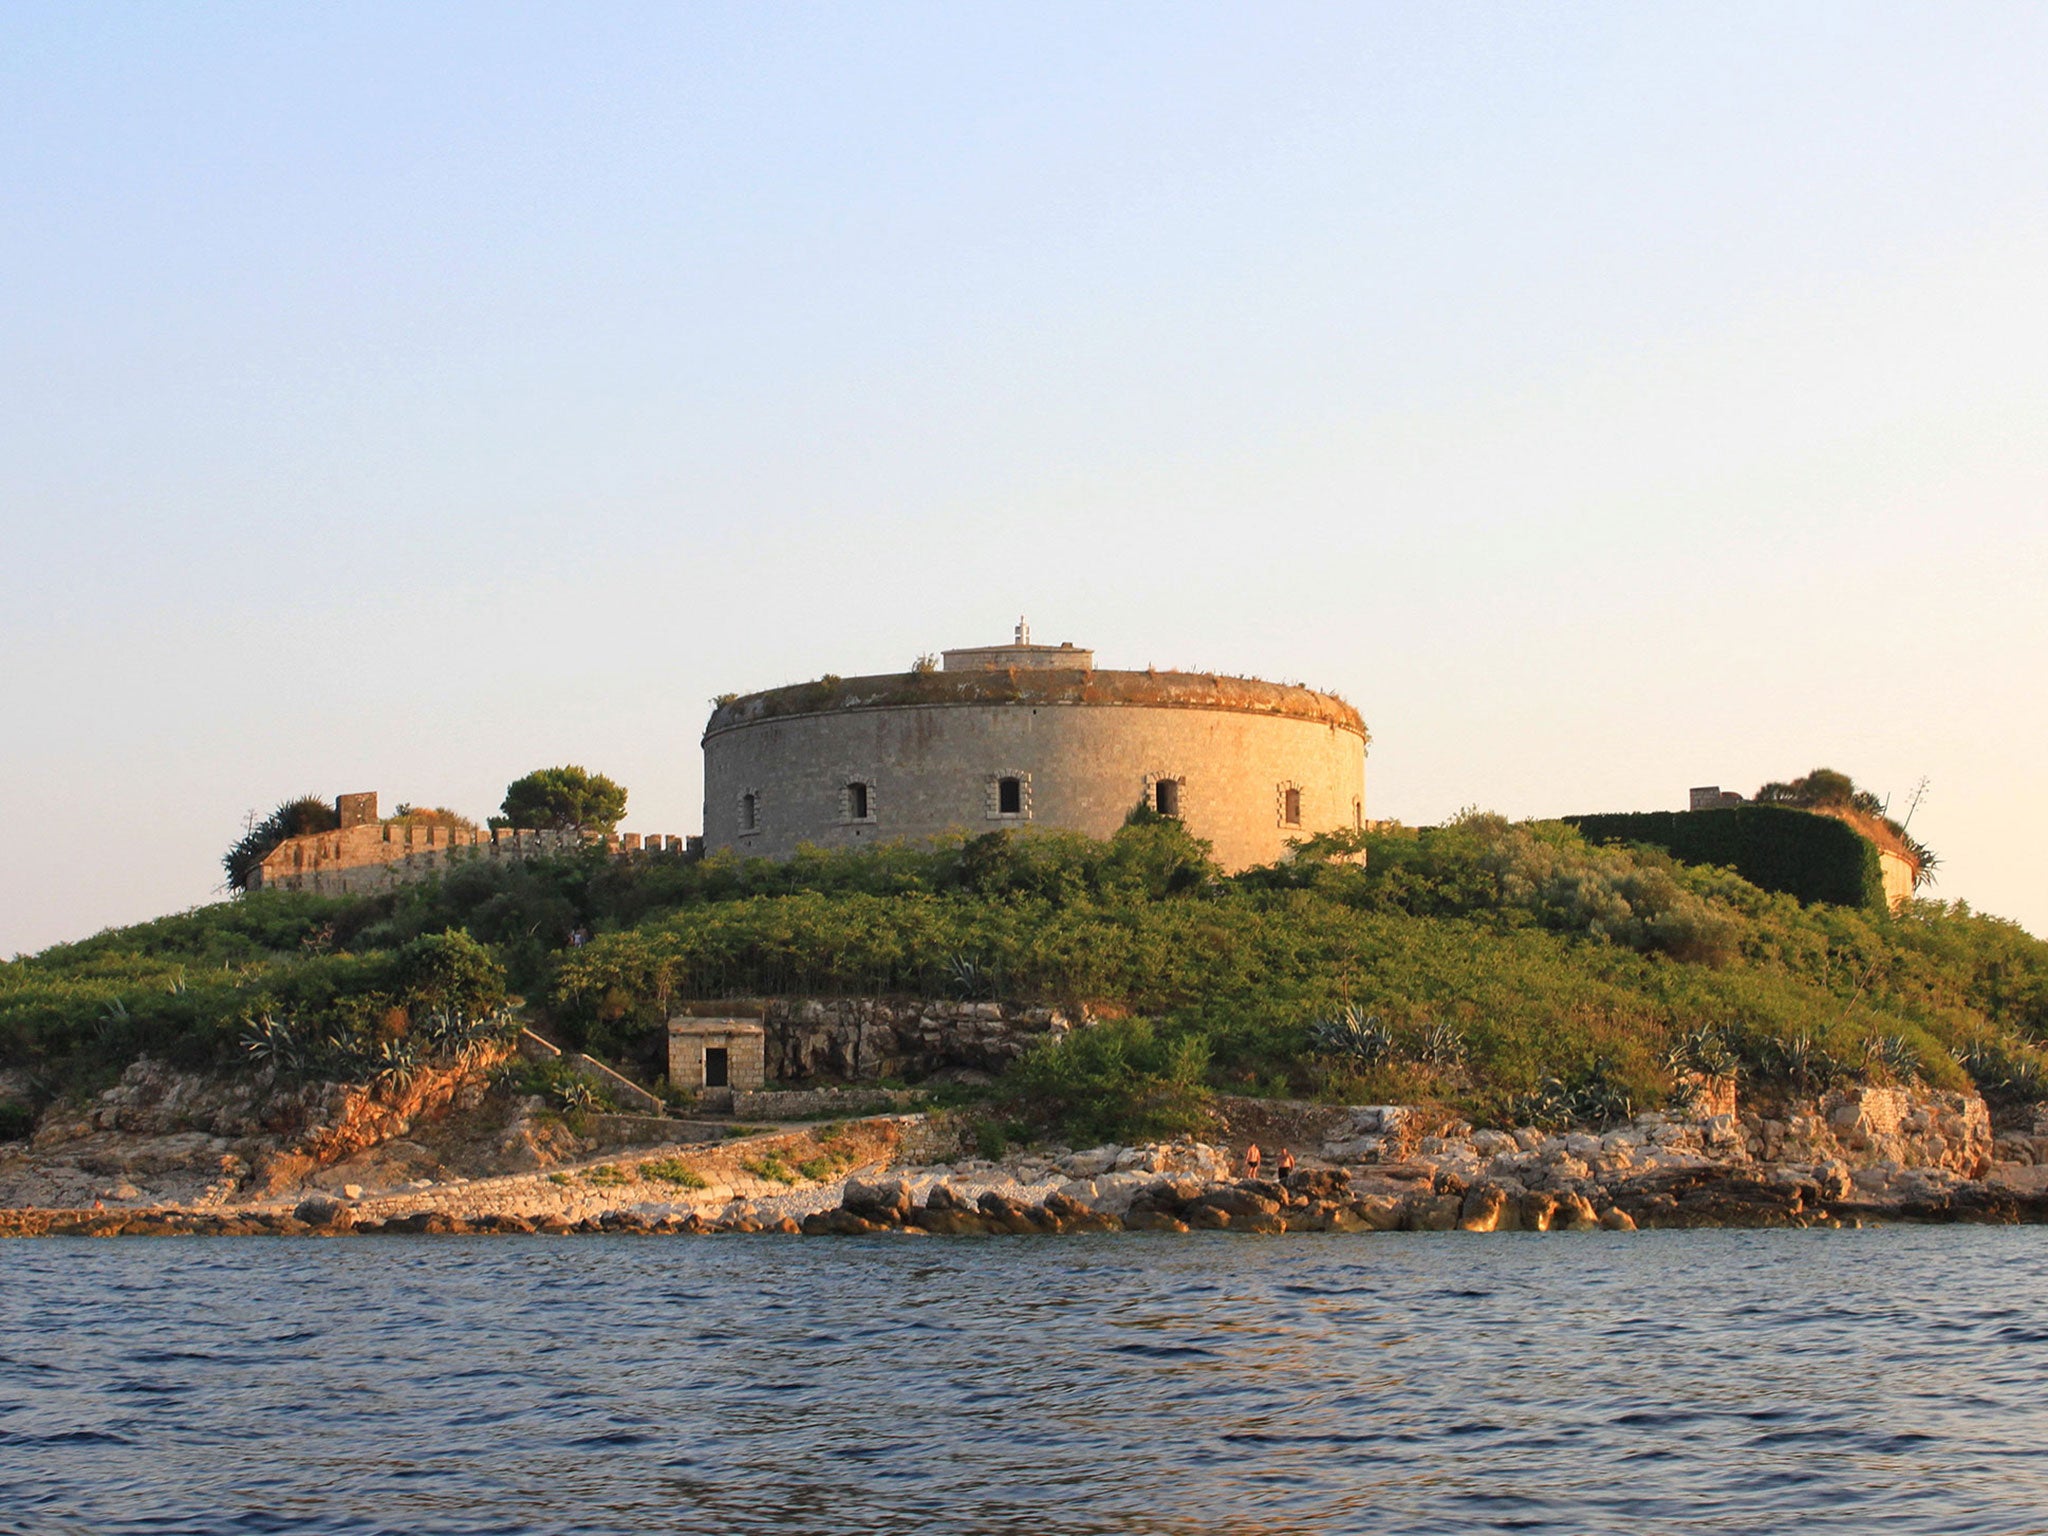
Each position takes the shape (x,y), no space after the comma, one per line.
(1660,1382)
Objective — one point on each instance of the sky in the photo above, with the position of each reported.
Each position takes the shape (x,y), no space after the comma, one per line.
(1605,399)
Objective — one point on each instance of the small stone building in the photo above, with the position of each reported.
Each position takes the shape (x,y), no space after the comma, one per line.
(716,1053)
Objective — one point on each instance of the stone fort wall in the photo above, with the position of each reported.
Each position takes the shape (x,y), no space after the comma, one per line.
(369,857)
(1251,765)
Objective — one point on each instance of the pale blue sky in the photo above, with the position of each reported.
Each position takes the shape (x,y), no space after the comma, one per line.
(1604,399)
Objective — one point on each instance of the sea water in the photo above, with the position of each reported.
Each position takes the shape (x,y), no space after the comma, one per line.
(1889,1380)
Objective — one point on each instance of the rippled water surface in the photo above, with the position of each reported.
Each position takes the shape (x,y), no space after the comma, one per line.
(1661,1382)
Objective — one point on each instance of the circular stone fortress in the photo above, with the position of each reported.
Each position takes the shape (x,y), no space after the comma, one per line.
(1030,736)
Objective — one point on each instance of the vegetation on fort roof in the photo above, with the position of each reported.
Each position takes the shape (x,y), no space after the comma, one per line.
(1816,838)
(1504,969)
(294,818)
(1835,793)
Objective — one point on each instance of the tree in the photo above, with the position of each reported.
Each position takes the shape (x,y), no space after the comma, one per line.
(295,818)
(568,799)
(1822,788)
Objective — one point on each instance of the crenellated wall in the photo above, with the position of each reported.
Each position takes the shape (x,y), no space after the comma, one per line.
(376,856)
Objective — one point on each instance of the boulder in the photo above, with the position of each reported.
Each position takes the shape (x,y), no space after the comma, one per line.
(1091,1163)
(1482,1208)
(1574,1213)
(1004,1213)
(1073,1216)
(1320,1183)
(950,1221)
(1379,1213)
(838,1223)
(1432,1213)
(323,1213)
(885,1202)
(1145,1219)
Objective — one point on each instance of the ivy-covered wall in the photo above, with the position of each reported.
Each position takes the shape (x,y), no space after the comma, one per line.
(1816,858)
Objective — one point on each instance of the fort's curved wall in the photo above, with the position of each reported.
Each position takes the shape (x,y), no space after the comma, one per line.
(932,751)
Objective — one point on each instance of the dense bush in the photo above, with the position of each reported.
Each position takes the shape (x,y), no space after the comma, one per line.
(1812,857)
(1123,1081)
(1506,967)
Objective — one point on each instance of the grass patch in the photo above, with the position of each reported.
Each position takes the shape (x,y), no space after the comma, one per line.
(608,1176)
(673,1170)
(771,1167)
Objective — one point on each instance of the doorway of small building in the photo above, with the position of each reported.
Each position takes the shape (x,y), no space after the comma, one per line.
(717,1066)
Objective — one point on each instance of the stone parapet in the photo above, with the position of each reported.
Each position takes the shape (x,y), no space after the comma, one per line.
(369,857)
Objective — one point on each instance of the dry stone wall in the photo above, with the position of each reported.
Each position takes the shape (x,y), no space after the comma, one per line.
(856,1039)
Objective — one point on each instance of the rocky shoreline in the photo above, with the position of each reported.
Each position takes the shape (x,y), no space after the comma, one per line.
(165,1156)
(1655,1174)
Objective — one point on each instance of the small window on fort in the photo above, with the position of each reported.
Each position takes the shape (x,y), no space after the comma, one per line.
(1010,797)
(750,812)
(1358,815)
(1290,807)
(1166,797)
(857,801)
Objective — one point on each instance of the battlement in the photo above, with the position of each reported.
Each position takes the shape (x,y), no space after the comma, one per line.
(363,857)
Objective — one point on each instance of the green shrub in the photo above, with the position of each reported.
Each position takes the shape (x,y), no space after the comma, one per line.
(1121,1081)
(991,1139)
(673,1170)
(769,1166)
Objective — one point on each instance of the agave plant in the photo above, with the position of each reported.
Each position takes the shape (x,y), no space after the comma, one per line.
(579,1097)
(1892,1056)
(1442,1046)
(1996,1069)
(1703,1050)
(396,1063)
(1360,1036)
(969,979)
(1804,1062)
(276,1043)
(1595,1099)
(112,1026)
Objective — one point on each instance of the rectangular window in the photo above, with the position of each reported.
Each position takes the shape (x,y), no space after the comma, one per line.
(1010,797)
(749,812)
(1291,807)
(857,801)
(1166,797)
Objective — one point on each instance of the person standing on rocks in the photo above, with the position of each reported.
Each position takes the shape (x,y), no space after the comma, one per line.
(1285,1167)
(1251,1161)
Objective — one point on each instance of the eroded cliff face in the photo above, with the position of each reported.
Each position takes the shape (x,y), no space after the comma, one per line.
(206,1139)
